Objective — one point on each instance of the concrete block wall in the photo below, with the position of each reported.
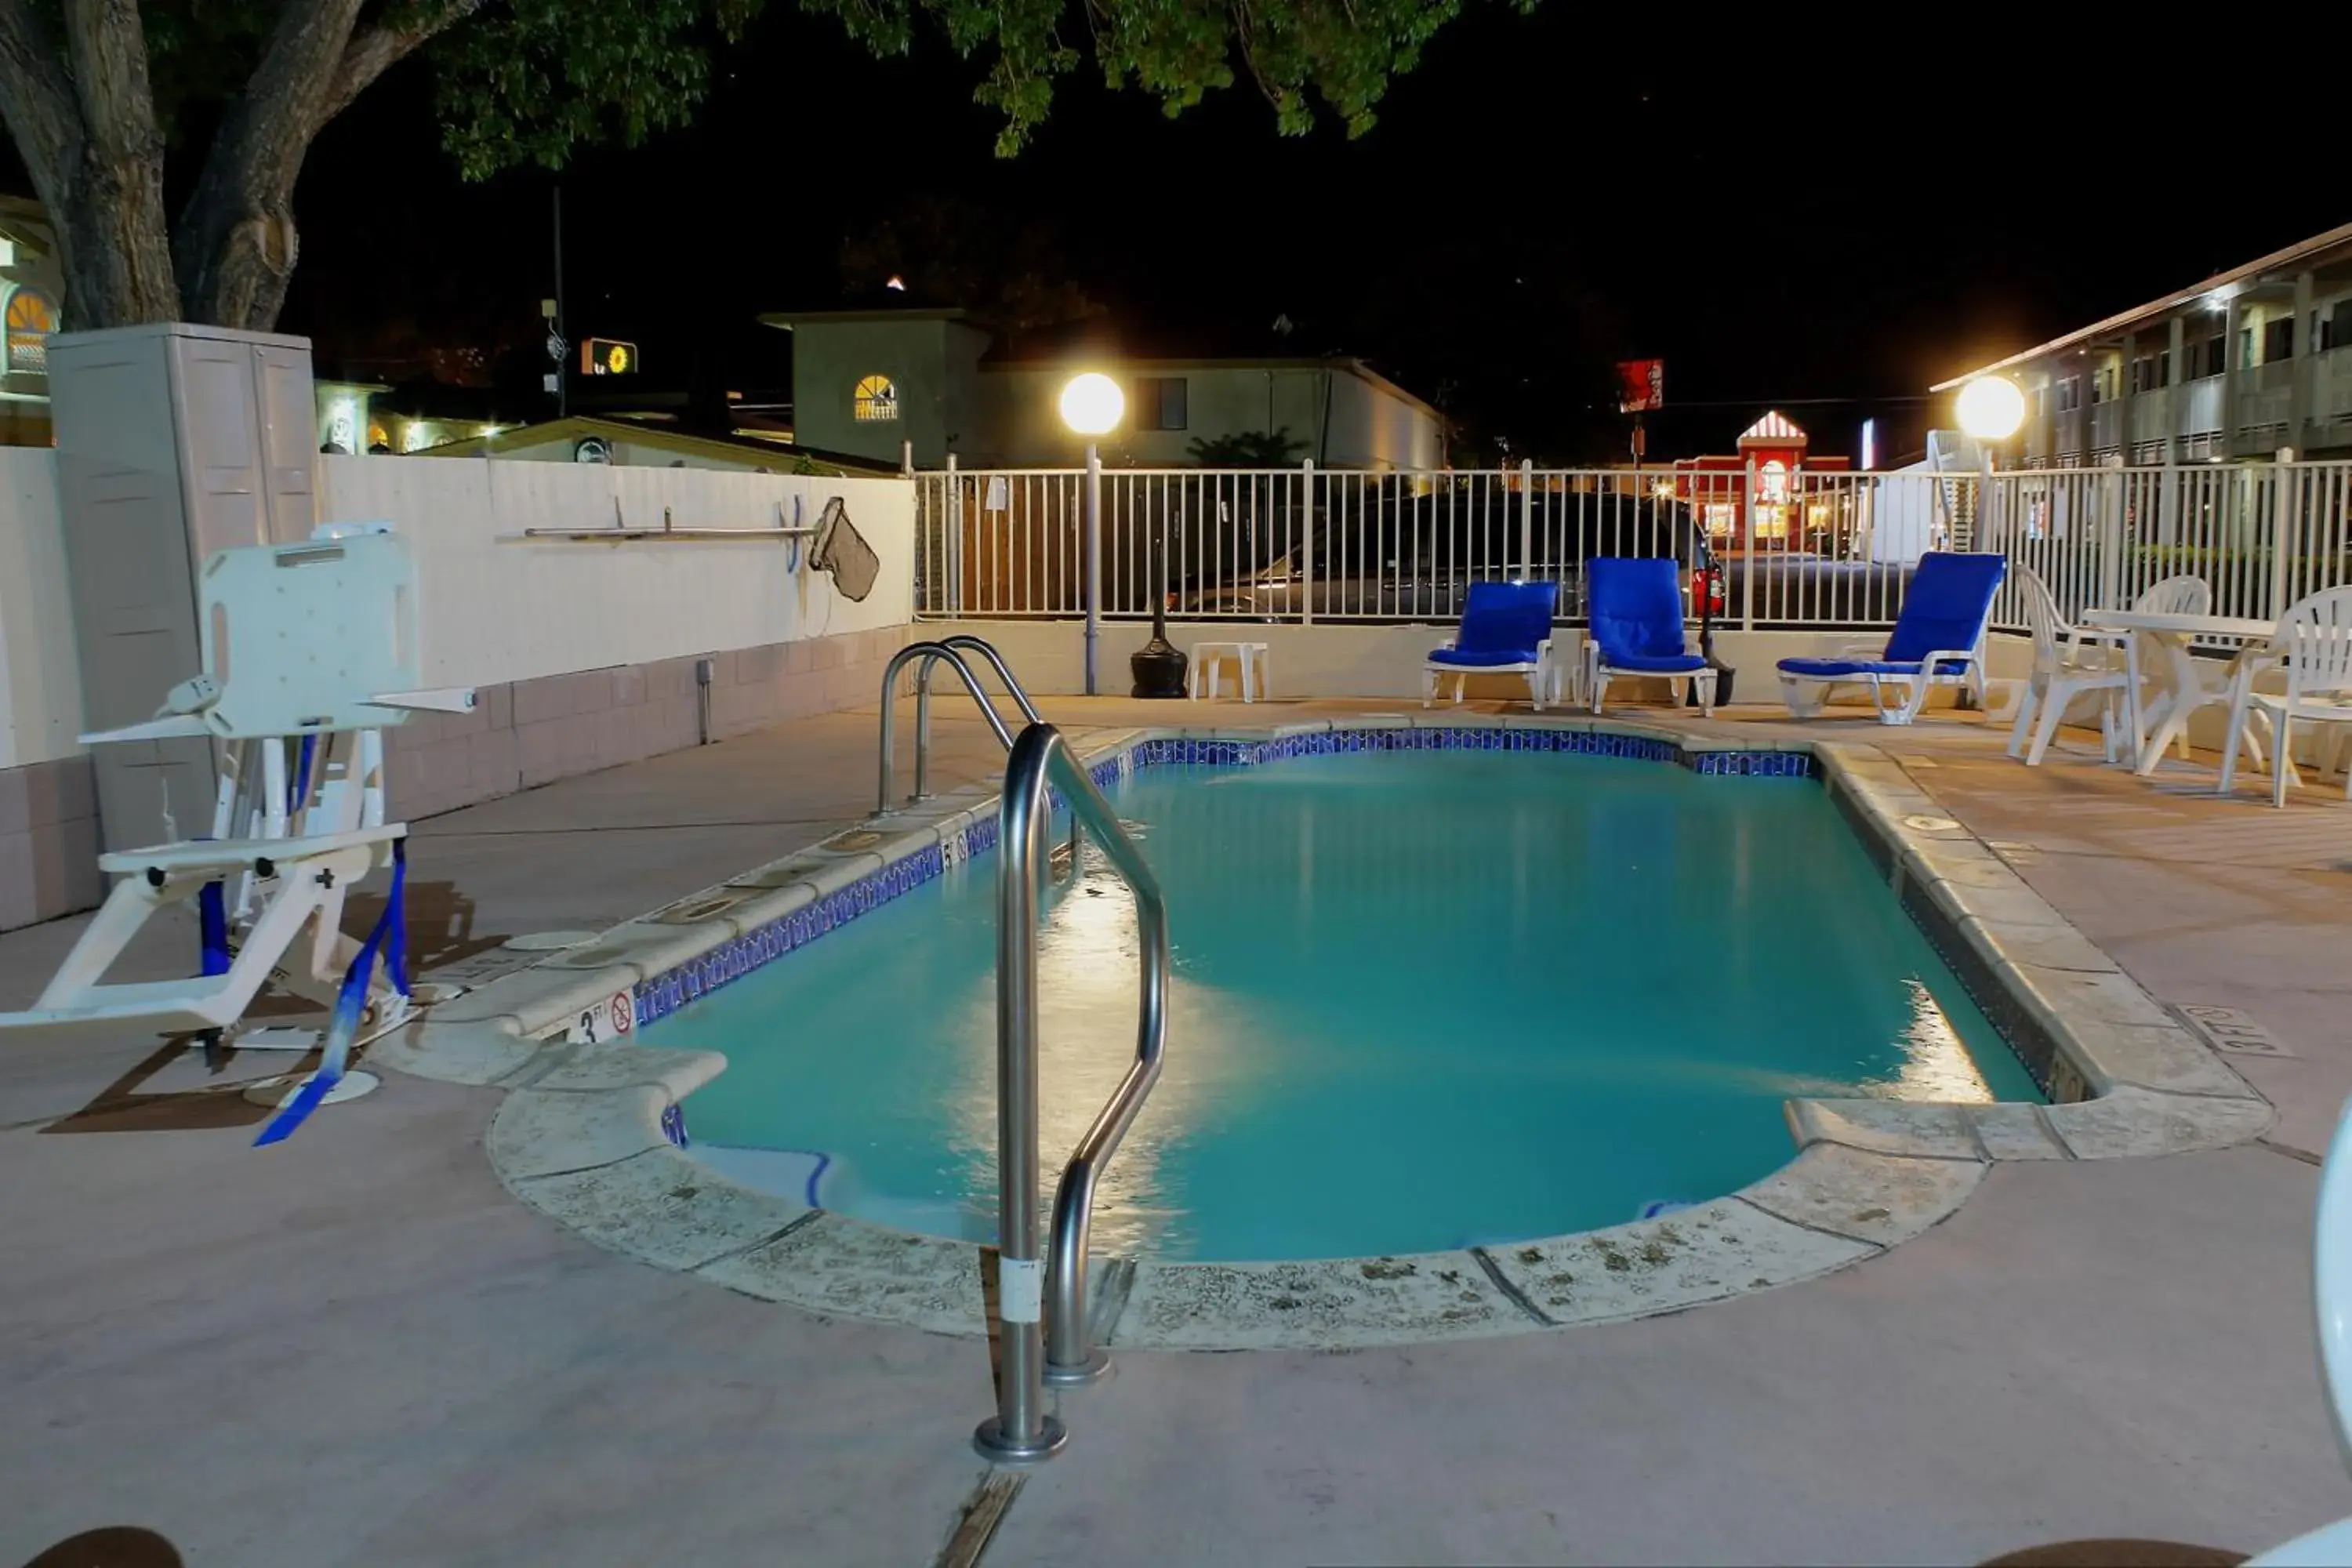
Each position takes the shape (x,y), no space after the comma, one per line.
(522,734)
(525,734)
(48,841)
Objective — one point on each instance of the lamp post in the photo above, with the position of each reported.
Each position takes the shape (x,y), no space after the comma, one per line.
(1989,408)
(1092,406)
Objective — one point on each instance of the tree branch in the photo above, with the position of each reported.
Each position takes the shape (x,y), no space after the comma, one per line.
(377,49)
(37,100)
(235,243)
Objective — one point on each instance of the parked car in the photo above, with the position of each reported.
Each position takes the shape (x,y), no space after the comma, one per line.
(1427,580)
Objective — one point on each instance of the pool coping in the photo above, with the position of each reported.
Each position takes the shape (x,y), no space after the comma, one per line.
(589,1132)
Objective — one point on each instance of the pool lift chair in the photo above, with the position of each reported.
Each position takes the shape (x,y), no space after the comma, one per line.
(309,652)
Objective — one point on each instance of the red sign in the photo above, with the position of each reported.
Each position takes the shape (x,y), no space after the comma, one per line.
(624,1012)
(1640,386)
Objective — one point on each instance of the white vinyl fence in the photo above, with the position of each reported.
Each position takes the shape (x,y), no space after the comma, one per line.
(1306,544)
(2262,534)
(1818,550)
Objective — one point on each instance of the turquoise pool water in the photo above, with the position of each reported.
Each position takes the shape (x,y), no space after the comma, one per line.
(1421,1000)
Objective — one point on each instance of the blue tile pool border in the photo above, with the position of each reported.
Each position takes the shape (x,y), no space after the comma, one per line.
(666,992)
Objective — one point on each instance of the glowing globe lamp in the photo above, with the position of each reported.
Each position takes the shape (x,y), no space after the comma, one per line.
(1092,403)
(1990,408)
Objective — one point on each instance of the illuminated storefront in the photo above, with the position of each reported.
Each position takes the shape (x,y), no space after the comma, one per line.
(1793,510)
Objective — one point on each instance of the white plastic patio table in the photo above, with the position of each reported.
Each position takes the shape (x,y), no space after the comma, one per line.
(2155,731)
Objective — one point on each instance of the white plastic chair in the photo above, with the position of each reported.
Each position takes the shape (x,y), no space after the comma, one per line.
(2165,721)
(2313,647)
(2331,1295)
(1249,659)
(2067,662)
(2181,595)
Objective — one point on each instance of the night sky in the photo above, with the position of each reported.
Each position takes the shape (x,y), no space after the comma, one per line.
(1784,220)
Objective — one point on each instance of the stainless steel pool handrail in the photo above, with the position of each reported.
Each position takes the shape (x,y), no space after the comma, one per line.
(932,653)
(1012,687)
(1036,1299)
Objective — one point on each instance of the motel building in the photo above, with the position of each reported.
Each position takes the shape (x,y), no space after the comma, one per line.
(2237,366)
(923,385)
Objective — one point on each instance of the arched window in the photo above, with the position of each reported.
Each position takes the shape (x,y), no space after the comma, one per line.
(32,317)
(875,398)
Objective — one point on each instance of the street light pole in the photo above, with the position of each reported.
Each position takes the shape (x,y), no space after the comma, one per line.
(1092,405)
(1093,564)
(1989,409)
(562,381)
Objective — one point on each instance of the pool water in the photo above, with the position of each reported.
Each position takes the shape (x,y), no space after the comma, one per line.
(1421,1000)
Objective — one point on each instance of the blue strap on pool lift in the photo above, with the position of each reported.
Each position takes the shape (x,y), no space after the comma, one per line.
(212,922)
(212,898)
(390,938)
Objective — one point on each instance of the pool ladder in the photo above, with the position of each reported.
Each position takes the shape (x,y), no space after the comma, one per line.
(1041,1300)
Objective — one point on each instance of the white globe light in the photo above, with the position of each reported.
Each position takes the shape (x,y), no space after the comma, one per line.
(1991,408)
(1092,403)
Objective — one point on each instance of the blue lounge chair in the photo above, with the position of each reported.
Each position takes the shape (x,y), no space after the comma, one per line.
(1938,640)
(1635,611)
(1506,630)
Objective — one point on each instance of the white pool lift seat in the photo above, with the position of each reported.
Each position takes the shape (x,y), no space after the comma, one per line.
(308,651)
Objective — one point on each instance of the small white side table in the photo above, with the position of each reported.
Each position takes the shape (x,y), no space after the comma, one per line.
(1249,658)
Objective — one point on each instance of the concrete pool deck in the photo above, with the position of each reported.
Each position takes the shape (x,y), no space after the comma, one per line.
(358,1348)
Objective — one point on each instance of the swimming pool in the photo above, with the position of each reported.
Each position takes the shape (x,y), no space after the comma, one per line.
(1421,1000)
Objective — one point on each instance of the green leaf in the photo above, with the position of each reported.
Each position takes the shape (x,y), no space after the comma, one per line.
(527,81)
(1342,52)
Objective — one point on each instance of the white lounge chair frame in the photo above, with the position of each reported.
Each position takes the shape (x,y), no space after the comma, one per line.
(2068,661)
(1543,675)
(1594,683)
(1807,695)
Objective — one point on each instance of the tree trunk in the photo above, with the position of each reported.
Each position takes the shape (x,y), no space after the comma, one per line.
(236,253)
(113,243)
(84,122)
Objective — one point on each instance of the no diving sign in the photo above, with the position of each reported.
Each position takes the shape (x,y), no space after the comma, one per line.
(610,1019)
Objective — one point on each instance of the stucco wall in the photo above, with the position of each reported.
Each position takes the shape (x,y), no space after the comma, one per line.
(584,654)
(40,684)
(1369,427)
(493,609)
(830,358)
